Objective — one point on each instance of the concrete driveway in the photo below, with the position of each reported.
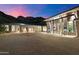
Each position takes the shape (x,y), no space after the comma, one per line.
(37,44)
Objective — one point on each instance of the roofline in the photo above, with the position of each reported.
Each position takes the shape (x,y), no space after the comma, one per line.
(63,12)
(21,24)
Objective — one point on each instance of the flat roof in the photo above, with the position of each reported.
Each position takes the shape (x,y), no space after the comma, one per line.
(15,24)
(62,12)
(22,24)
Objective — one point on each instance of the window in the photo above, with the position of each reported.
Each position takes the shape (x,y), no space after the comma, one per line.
(71,24)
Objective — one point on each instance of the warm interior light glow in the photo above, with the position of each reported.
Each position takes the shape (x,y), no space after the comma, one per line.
(24,30)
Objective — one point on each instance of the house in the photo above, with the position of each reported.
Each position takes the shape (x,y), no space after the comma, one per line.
(23,28)
(65,23)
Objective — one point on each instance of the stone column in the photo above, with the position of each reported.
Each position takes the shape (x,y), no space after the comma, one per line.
(77,28)
(21,30)
(41,28)
(10,28)
(61,26)
(48,26)
(58,27)
(52,24)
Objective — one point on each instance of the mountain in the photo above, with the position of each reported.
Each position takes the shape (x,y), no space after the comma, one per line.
(20,19)
(31,20)
(4,18)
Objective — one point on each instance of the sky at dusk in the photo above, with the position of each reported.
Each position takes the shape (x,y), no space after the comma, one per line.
(35,10)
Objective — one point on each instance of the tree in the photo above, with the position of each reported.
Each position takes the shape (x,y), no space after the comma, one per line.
(4,18)
(40,21)
(29,20)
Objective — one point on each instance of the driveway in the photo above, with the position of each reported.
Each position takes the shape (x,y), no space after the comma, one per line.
(37,44)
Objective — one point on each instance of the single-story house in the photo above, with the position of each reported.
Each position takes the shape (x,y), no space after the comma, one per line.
(65,23)
(24,28)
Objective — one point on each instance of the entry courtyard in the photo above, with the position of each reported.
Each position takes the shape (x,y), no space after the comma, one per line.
(37,44)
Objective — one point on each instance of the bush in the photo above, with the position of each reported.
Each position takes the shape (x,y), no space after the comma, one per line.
(2,28)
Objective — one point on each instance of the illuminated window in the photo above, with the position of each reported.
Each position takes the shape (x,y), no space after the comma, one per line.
(71,24)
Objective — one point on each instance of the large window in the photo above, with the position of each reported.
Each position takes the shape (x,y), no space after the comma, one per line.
(71,24)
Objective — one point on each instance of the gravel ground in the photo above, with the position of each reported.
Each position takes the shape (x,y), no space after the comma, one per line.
(37,44)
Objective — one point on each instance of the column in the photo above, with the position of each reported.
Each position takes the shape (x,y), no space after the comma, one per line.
(10,28)
(48,26)
(58,27)
(52,24)
(77,28)
(21,29)
(61,26)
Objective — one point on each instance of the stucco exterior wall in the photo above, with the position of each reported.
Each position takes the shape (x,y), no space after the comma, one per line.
(25,28)
(66,23)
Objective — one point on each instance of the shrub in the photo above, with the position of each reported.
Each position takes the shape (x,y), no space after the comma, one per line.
(2,28)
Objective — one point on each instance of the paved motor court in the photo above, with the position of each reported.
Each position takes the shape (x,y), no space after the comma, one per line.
(37,44)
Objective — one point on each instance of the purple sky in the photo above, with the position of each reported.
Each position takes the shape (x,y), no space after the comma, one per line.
(35,10)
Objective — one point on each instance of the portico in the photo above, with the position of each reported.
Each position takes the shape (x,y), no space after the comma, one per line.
(24,28)
(65,23)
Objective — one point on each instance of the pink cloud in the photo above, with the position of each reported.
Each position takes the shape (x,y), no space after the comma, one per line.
(18,11)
